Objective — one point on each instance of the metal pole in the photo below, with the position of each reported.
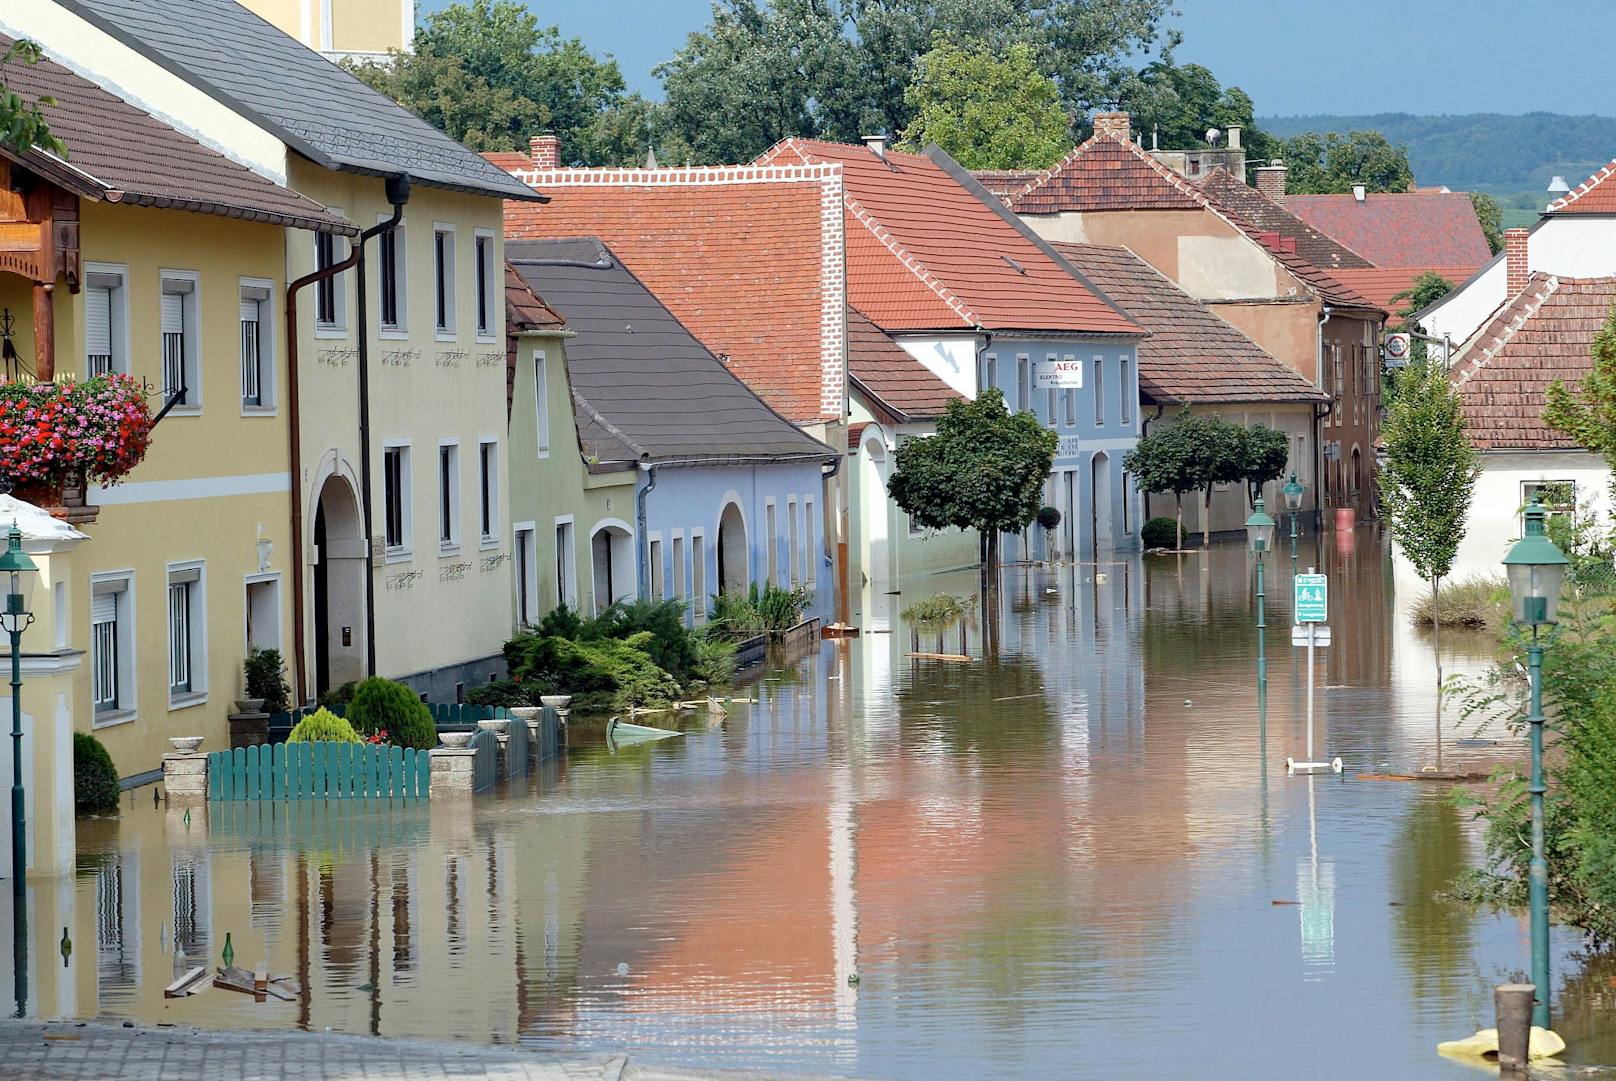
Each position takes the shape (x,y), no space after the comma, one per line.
(1312,632)
(19,842)
(1293,543)
(1538,879)
(1262,653)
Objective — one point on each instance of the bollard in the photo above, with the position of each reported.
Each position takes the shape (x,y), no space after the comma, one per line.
(1513,1004)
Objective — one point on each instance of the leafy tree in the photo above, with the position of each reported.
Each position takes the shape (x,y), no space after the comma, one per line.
(1588,414)
(486,73)
(984,470)
(1176,458)
(1264,453)
(1332,163)
(1491,217)
(988,111)
(22,123)
(1177,103)
(1428,477)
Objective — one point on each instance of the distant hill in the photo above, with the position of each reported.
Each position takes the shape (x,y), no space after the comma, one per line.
(1481,151)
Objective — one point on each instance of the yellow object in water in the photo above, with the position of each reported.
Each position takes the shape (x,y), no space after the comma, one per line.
(1543,1043)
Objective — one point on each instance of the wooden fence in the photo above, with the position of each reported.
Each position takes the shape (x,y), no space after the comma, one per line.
(292,771)
(485,767)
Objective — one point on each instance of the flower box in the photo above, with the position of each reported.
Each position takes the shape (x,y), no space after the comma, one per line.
(58,437)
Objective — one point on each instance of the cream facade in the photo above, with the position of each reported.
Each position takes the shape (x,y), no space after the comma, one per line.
(341,29)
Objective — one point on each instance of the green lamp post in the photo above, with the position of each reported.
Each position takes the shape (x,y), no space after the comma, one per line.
(1536,570)
(1260,538)
(17,570)
(1293,493)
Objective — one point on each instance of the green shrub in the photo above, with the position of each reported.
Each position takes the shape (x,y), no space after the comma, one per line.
(1049,517)
(771,608)
(935,613)
(600,674)
(505,692)
(323,726)
(95,778)
(1478,601)
(671,646)
(338,696)
(560,622)
(1160,533)
(265,673)
(381,705)
(715,658)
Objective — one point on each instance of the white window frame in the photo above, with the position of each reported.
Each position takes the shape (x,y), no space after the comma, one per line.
(194,575)
(990,370)
(810,550)
(448,527)
(272,578)
(698,576)
(1128,387)
(771,535)
(121,582)
(337,325)
(541,401)
(1024,384)
(405,549)
(793,539)
(400,328)
(526,614)
(681,575)
(1099,390)
(115,278)
(656,578)
(566,561)
(488,491)
(486,286)
(188,284)
(443,281)
(266,346)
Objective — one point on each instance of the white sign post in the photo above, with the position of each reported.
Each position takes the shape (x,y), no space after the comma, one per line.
(1312,608)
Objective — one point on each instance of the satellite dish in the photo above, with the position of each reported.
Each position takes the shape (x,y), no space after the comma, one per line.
(1212,135)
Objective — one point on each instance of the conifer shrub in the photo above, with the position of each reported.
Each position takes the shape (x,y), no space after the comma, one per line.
(95,778)
(382,705)
(323,726)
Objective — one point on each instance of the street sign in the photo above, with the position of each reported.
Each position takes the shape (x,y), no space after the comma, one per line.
(1397,350)
(1310,634)
(1312,598)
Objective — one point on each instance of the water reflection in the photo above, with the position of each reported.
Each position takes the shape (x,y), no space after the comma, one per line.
(889,866)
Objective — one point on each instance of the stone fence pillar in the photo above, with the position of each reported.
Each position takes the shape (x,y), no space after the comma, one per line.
(451,772)
(185,776)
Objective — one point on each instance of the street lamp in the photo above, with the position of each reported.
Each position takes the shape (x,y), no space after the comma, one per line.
(17,570)
(1260,537)
(1536,570)
(1293,493)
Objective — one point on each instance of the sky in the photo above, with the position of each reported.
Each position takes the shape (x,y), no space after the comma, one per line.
(1292,56)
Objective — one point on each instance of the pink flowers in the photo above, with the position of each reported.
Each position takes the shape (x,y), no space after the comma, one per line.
(52,432)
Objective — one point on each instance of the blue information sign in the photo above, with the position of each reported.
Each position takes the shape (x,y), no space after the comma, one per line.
(1312,598)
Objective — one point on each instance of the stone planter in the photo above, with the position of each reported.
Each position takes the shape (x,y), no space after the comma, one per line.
(455,741)
(499,726)
(556,701)
(248,729)
(185,744)
(249,705)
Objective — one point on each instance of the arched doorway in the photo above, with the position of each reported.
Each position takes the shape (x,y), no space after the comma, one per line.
(1099,504)
(611,557)
(874,554)
(733,573)
(341,562)
(1357,476)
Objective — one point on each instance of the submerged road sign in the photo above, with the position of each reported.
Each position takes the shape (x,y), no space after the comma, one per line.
(1312,598)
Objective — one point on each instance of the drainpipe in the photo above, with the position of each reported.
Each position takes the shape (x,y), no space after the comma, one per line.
(839,584)
(1144,430)
(398,193)
(643,575)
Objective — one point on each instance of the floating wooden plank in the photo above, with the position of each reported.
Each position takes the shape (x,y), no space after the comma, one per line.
(1448,777)
(184,985)
(958,657)
(234,979)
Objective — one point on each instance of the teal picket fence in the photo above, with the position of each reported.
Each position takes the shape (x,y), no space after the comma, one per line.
(295,771)
(518,748)
(338,827)
(549,732)
(485,767)
(444,715)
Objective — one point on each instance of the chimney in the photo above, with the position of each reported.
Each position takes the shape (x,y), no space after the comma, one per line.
(1271,180)
(1516,269)
(545,150)
(1358,192)
(1116,126)
(1234,136)
(877,144)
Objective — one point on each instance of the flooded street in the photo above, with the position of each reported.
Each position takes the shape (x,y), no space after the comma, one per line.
(1063,863)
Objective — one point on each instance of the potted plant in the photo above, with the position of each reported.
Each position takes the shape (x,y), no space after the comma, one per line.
(265,678)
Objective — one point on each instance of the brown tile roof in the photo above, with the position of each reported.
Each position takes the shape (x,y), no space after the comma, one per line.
(735,253)
(930,224)
(1544,333)
(525,309)
(1592,196)
(119,154)
(1379,286)
(1191,354)
(1400,229)
(1006,182)
(896,380)
(1258,209)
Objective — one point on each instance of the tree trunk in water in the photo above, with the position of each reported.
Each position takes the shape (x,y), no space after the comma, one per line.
(1178,501)
(1206,519)
(1436,621)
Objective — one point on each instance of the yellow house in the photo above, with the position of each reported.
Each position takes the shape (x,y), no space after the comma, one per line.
(141,252)
(339,29)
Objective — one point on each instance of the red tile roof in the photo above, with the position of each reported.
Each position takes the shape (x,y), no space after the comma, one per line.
(1544,333)
(1400,229)
(1379,286)
(525,310)
(982,267)
(734,253)
(1191,354)
(897,381)
(1258,209)
(1592,196)
(1006,182)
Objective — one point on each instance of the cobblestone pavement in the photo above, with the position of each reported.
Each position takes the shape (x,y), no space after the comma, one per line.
(91,1051)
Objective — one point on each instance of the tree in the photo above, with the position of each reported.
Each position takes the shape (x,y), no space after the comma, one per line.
(486,73)
(984,470)
(1264,454)
(987,111)
(22,123)
(1175,104)
(1588,414)
(1333,163)
(1176,458)
(1428,477)
(1491,217)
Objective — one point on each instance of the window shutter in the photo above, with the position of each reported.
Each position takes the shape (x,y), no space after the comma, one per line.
(249,309)
(98,320)
(104,608)
(173,313)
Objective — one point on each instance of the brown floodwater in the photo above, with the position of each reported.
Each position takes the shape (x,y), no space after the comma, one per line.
(1064,862)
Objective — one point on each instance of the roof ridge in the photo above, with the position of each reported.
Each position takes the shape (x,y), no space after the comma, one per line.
(1584,188)
(910,262)
(1183,186)
(1475,361)
(679,175)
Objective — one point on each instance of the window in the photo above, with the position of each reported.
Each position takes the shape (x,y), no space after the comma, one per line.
(525,609)
(486,315)
(112,689)
(654,557)
(566,565)
(257,347)
(262,607)
(1070,397)
(106,320)
(1023,385)
(443,278)
(771,533)
(182,374)
(990,371)
(678,566)
(1099,390)
(390,269)
(541,401)
(488,491)
(329,296)
(698,577)
(1126,389)
(396,497)
(187,634)
(1051,410)
(1557,496)
(793,539)
(810,550)
(1127,502)
(448,495)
